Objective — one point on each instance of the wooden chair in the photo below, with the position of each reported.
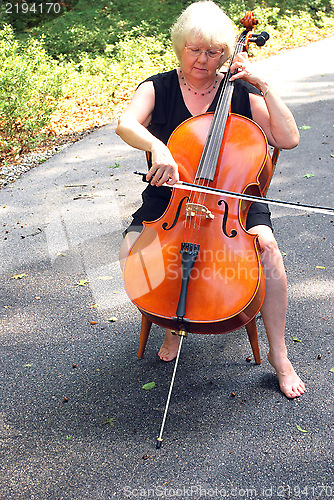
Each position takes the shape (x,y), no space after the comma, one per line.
(251,331)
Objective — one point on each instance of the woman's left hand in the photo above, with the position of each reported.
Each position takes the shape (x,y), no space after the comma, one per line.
(242,68)
(268,110)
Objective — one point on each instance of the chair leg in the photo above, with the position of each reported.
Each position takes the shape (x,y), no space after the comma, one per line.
(144,333)
(253,339)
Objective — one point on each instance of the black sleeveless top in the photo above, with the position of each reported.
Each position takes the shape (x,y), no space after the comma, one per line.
(169,111)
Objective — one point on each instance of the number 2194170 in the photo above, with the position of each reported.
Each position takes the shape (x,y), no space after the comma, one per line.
(38,8)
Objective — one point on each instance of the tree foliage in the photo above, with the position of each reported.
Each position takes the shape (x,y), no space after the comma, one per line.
(102,49)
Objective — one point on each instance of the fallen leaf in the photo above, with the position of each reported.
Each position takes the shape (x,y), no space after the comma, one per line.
(332,370)
(111,421)
(295,339)
(304,127)
(18,276)
(93,322)
(82,283)
(69,437)
(105,278)
(332,156)
(300,429)
(308,176)
(93,306)
(82,195)
(320,267)
(148,386)
(112,319)
(75,185)
(27,365)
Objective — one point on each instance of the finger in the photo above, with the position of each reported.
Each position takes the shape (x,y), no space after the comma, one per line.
(159,177)
(163,178)
(172,180)
(150,174)
(154,171)
(237,68)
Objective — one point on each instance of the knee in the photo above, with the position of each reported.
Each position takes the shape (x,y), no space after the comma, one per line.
(270,253)
(269,246)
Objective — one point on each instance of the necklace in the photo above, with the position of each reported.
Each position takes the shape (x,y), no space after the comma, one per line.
(196,93)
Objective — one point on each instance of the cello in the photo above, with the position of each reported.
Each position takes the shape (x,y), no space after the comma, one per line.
(196,269)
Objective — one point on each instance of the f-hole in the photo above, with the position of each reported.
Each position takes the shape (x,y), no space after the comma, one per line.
(233,232)
(177,215)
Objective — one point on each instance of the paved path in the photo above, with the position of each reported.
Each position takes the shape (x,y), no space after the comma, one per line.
(74,420)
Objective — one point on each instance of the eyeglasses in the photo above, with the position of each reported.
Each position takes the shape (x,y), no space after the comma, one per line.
(196,52)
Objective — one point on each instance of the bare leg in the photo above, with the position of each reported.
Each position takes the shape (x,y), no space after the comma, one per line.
(170,346)
(273,312)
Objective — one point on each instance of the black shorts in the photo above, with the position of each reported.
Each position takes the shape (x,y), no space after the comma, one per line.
(258,214)
(153,207)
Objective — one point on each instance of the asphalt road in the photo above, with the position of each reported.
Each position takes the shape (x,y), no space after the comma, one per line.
(75,422)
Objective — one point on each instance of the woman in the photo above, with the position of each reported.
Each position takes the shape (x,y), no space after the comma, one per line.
(202,39)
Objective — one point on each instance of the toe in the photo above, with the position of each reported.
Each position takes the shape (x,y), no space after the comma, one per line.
(164,354)
(294,391)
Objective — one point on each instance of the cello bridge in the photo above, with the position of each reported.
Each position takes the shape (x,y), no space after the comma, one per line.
(195,208)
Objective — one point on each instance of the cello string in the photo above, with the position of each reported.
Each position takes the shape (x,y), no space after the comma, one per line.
(211,150)
(215,135)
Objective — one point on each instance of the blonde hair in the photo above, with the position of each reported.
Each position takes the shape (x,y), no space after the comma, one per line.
(206,21)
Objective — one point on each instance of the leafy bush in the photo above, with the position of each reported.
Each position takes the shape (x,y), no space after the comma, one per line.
(107,80)
(98,27)
(30,85)
(85,29)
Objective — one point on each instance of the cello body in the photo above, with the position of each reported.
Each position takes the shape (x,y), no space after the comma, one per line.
(226,285)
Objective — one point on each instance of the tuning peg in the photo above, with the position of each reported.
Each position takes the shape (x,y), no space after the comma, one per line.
(260,39)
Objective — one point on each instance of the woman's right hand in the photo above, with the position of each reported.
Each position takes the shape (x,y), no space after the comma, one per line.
(164,168)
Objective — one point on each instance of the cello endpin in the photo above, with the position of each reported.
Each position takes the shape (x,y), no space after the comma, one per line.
(180,333)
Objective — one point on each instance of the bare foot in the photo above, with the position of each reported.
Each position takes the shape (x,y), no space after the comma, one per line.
(290,384)
(170,346)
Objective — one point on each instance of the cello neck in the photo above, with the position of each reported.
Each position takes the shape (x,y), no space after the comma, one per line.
(208,163)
